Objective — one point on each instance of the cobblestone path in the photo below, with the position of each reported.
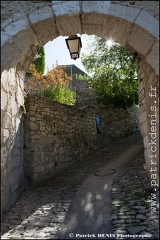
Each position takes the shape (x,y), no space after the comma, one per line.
(132,198)
(41,211)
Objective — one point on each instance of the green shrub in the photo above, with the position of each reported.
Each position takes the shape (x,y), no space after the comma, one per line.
(60,94)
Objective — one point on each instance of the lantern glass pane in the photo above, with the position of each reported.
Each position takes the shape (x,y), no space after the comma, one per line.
(73,45)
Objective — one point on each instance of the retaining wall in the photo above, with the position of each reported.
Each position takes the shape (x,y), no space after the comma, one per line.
(57,134)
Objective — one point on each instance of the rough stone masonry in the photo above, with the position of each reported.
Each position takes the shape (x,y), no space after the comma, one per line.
(26,26)
(56,135)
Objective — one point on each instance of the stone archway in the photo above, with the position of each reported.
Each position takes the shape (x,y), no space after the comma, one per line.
(26,27)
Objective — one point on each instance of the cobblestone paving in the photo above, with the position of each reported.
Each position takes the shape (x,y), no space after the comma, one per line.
(132,198)
(41,211)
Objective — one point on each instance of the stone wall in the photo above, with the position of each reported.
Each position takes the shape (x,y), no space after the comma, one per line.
(57,134)
(26,26)
(84,95)
(12,172)
(117,122)
(149,116)
(134,113)
(109,116)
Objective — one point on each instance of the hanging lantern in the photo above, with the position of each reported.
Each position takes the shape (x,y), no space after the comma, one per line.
(74,45)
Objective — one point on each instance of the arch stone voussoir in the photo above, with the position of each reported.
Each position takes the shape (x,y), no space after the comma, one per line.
(63,8)
(29,37)
(65,23)
(105,19)
(124,12)
(137,39)
(101,7)
(17,26)
(92,21)
(11,56)
(27,59)
(153,57)
(4,38)
(10,13)
(67,15)
(40,14)
(113,25)
(148,22)
(46,30)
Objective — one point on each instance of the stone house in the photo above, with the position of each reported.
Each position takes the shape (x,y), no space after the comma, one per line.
(73,71)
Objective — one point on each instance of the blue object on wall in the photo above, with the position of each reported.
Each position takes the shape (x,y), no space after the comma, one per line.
(98,124)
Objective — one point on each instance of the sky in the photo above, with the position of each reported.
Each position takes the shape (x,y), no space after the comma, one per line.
(57,50)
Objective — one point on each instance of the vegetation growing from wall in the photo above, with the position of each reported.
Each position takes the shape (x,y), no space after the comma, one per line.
(113,72)
(60,94)
(53,85)
(39,62)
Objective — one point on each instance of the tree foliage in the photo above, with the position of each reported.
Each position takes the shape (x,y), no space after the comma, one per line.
(60,94)
(39,62)
(38,82)
(82,77)
(113,72)
(53,85)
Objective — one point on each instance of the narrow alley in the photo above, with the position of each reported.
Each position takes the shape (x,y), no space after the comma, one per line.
(106,195)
